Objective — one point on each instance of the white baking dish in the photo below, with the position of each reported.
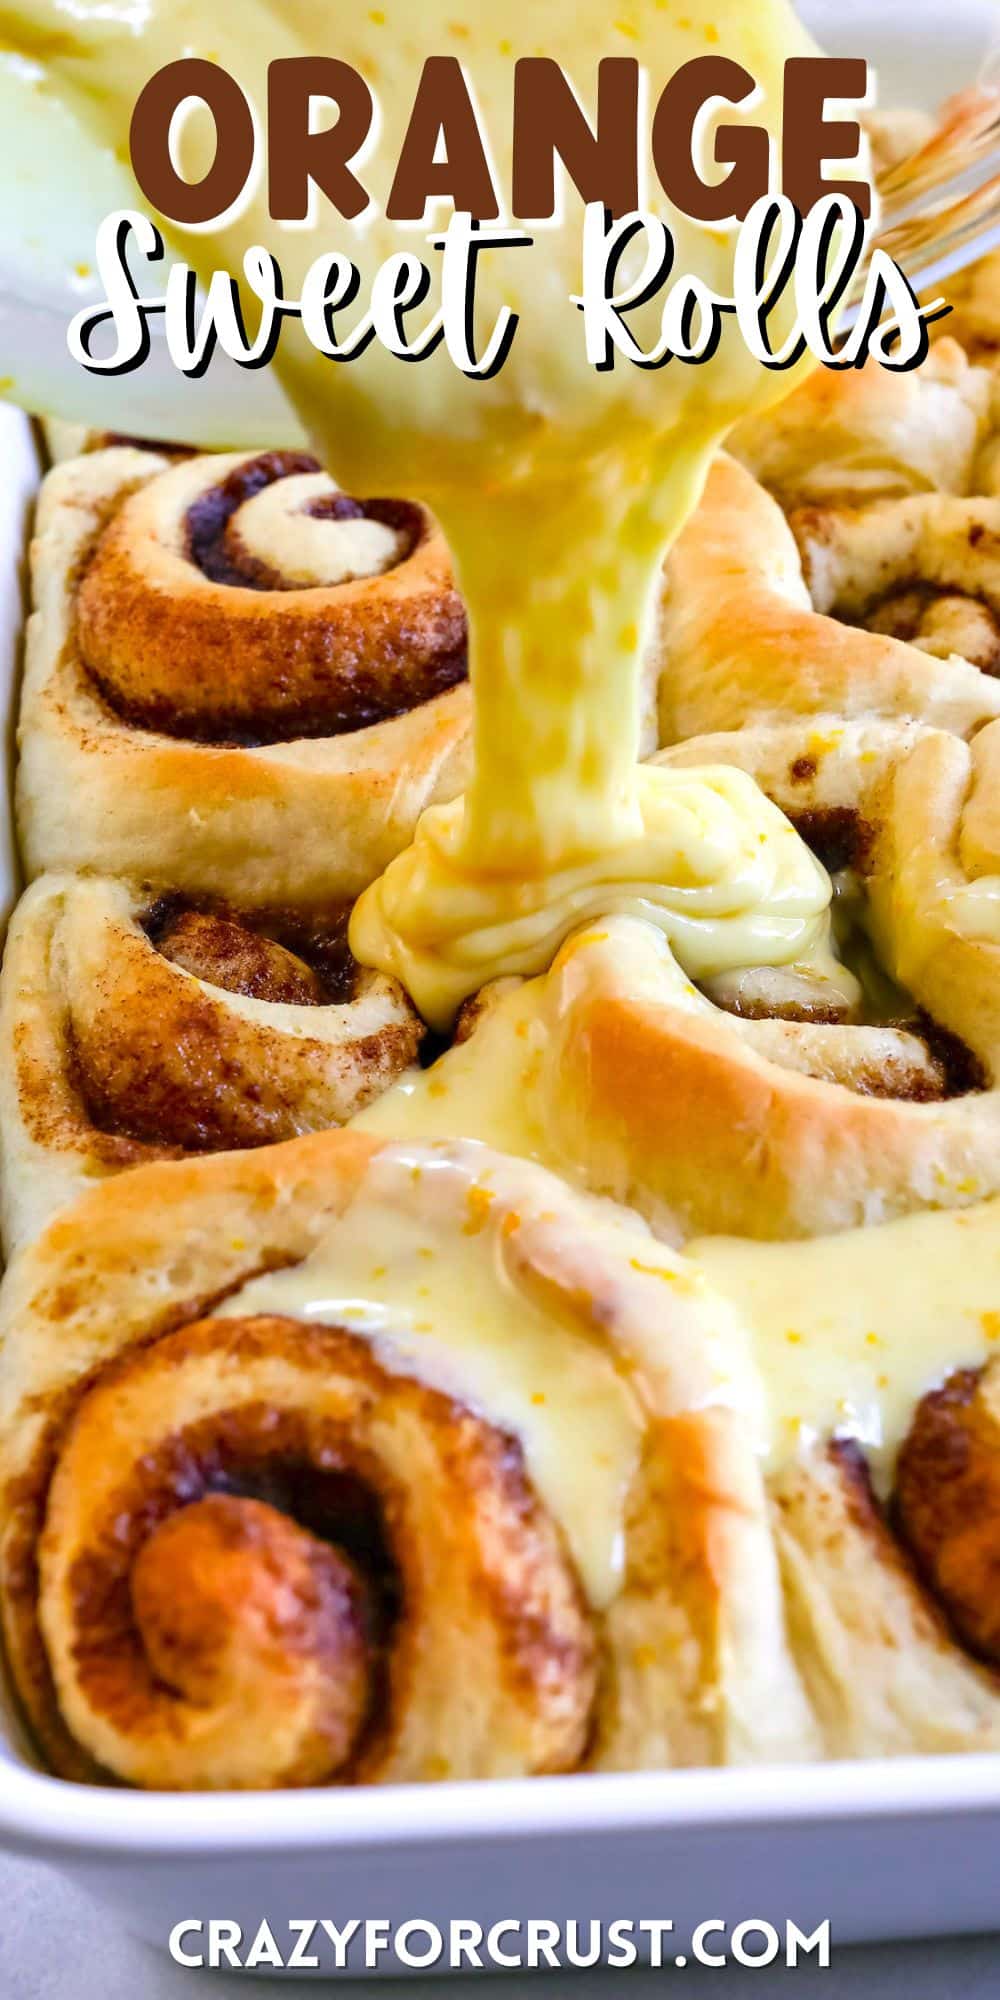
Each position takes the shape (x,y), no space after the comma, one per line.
(890,1849)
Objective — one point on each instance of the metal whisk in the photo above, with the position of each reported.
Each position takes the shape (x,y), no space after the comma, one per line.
(940,206)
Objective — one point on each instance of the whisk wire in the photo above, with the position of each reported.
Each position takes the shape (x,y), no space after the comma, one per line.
(940,206)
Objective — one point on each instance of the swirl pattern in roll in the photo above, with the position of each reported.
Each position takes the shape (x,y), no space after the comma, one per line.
(249,598)
(783,1101)
(500,1522)
(345,1464)
(869,584)
(890,487)
(239,679)
(136,1027)
(180,1604)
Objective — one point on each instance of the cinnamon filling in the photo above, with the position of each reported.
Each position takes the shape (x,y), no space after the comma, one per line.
(274,1588)
(218,552)
(940,621)
(947,612)
(838,835)
(243,1489)
(217,949)
(194,1086)
(283,657)
(165,450)
(278,956)
(946,1506)
(900,1053)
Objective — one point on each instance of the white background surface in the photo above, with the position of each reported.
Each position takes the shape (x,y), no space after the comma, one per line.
(54,1945)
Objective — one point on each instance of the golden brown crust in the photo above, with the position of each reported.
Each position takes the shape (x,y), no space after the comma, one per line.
(770,1128)
(777,1153)
(126,1415)
(947,1500)
(184,630)
(742,641)
(263,814)
(288,1669)
(895,134)
(296,1595)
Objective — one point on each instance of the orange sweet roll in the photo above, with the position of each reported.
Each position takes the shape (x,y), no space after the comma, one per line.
(890,486)
(883,612)
(137,1026)
(879,592)
(343,1463)
(340,1463)
(240,680)
(847,1083)
(897,1654)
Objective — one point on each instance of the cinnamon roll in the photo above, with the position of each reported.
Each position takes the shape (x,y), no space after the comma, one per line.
(947,1500)
(876,1352)
(850,436)
(239,680)
(885,1669)
(783,1100)
(136,1027)
(860,618)
(890,489)
(882,592)
(448,1460)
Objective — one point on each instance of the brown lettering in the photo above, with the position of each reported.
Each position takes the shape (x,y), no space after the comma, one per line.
(297,156)
(602,165)
(743,148)
(442,106)
(808,138)
(149,140)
